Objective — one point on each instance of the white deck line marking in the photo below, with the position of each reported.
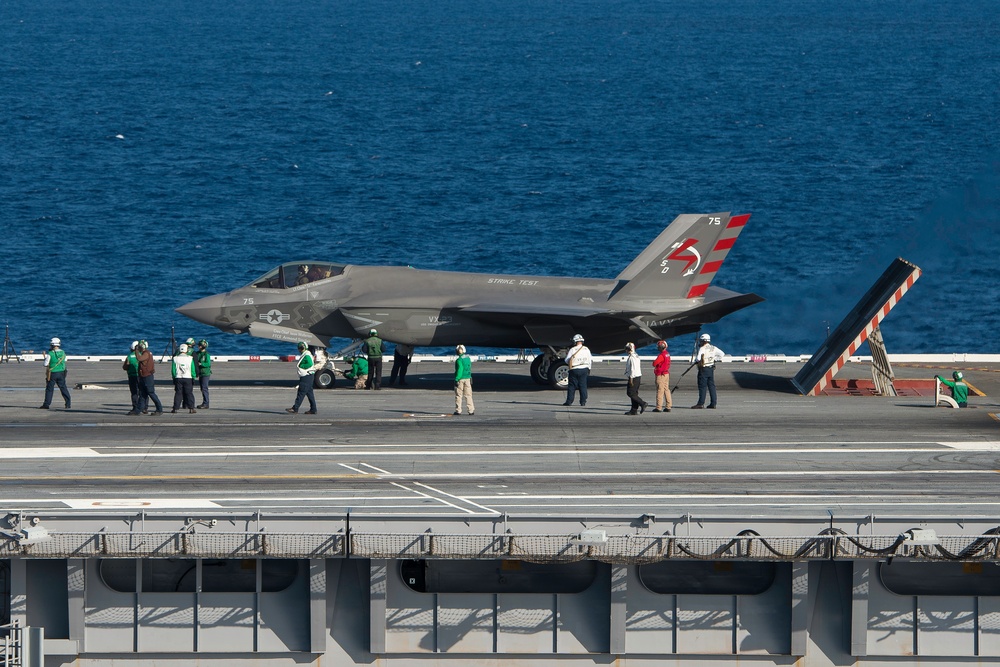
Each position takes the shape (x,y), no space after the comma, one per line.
(429,497)
(84,452)
(7,453)
(378,470)
(458,498)
(973,446)
(321,442)
(352,469)
(690,473)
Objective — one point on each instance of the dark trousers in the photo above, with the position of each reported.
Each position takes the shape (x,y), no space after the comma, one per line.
(577,380)
(203,382)
(706,381)
(184,393)
(374,373)
(305,391)
(633,392)
(399,366)
(147,390)
(57,379)
(133,388)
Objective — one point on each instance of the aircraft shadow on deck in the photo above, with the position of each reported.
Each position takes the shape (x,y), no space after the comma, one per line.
(763,382)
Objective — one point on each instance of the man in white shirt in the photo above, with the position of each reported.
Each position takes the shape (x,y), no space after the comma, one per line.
(579,361)
(706,358)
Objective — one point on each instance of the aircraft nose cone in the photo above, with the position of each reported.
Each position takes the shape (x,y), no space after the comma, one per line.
(207,310)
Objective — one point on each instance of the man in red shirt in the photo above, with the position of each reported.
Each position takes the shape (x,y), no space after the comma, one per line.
(661,373)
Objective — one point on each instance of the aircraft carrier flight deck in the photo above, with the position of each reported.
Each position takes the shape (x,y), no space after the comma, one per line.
(391,516)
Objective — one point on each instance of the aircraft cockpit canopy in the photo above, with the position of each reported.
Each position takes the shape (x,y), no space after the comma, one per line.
(297,273)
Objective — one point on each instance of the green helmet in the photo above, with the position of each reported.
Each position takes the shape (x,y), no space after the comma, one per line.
(957,375)
(142,345)
(373,332)
(302,345)
(203,343)
(189,342)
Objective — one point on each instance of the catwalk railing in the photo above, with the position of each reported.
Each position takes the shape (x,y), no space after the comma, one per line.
(622,549)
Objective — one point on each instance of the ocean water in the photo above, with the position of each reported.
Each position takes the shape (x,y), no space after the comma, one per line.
(154,153)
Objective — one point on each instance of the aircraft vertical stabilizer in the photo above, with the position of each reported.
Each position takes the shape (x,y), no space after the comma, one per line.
(682,261)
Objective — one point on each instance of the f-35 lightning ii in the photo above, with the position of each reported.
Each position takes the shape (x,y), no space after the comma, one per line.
(666,291)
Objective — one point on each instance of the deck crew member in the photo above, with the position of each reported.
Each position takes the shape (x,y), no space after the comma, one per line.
(401,357)
(579,361)
(661,375)
(463,381)
(633,372)
(959,389)
(374,348)
(147,384)
(182,370)
(306,369)
(131,368)
(357,372)
(706,357)
(55,374)
(203,370)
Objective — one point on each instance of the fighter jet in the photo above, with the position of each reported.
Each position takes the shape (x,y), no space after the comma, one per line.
(666,291)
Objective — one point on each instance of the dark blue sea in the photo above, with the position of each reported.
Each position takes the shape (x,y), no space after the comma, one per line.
(155,152)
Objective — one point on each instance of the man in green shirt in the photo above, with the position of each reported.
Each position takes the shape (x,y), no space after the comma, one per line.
(357,372)
(463,381)
(55,374)
(959,389)
(131,368)
(374,348)
(306,368)
(203,368)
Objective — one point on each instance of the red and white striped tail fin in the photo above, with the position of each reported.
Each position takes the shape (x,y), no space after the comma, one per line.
(682,261)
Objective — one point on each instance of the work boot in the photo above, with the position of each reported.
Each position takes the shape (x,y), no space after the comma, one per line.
(192,411)
(291,411)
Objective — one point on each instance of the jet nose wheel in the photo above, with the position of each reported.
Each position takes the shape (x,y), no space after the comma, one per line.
(559,375)
(324,379)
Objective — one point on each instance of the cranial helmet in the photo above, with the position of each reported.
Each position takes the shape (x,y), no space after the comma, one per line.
(577,338)
(372,332)
(302,345)
(203,343)
(183,348)
(460,349)
(134,345)
(705,337)
(661,345)
(142,345)
(55,342)
(957,375)
(189,342)
(629,347)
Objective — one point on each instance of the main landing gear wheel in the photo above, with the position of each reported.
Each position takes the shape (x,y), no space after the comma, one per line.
(540,369)
(559,375)
(324,379)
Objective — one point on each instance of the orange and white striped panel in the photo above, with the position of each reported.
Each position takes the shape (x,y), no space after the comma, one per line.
(863,336)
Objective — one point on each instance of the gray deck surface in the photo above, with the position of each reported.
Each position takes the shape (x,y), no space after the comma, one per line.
(767,452)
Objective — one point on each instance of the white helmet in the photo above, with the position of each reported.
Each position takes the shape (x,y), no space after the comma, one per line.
(55,342)
(705,337)
(134,345)
(183,348)
(577,338)
(460,349)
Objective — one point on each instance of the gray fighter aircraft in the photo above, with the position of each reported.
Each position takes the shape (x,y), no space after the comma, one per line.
(666,291)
